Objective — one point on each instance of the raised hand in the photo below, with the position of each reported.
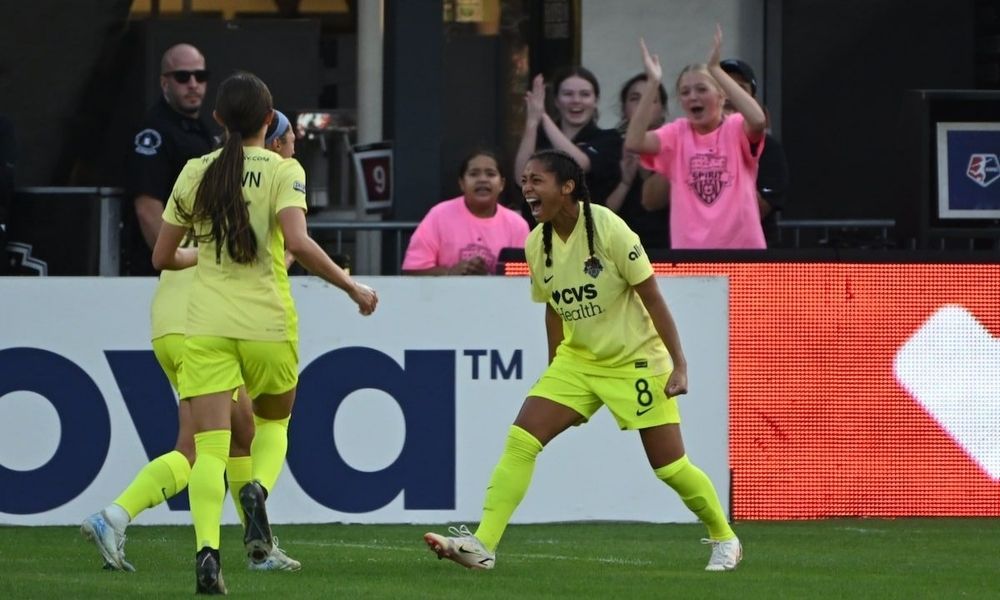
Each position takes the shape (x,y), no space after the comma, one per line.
(716,54)
(534,99)
(654,72)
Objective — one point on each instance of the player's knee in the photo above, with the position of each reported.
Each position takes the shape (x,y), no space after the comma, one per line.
(186,447)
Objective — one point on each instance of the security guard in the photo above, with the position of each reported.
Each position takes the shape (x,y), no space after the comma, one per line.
(172,133)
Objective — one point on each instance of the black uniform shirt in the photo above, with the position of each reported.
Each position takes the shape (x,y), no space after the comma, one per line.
(164,143)
(604,149)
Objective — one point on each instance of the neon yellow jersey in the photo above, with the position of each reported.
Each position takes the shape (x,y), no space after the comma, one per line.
(244,301)
(170,302)
(606,328)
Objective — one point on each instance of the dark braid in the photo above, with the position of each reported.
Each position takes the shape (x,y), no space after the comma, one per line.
(565,169)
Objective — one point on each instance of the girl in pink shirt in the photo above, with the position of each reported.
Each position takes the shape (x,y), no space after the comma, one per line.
(464,235)
(710,159)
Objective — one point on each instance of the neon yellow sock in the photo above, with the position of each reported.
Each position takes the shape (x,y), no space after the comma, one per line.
(270,444)
(510,480)
(698,494)
(239,472)
(207,489)
(162,478)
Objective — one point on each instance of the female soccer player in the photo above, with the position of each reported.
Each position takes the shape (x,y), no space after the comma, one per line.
(586,247)
(245,205)
(710,158)
(167,475)
(280,136)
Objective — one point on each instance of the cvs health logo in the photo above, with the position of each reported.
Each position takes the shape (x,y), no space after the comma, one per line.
(951,366)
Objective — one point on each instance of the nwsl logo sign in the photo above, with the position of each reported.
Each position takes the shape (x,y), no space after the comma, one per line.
(983,169)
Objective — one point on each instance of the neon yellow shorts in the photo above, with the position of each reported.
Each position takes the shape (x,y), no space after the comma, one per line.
(216,364)
(637,402)
(168,350)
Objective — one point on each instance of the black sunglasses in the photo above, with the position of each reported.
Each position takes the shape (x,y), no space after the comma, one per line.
(201,75)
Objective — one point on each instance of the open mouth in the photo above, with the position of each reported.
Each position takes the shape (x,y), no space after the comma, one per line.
(535,205)
(697,111)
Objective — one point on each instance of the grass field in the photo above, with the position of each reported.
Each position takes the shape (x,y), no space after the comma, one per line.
(905,558)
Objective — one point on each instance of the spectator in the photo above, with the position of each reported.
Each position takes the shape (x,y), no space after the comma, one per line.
(464,235)
(772,173)
(627,199)
(710,158)
(598,151)
(172,132)
(8,159)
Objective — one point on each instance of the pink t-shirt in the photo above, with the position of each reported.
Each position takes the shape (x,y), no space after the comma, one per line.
(713,185)
(450,233)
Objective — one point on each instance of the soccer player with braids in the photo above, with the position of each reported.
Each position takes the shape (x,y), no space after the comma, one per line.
(612,342)
(245,206)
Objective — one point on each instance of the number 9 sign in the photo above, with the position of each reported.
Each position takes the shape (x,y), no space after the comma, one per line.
(373,168)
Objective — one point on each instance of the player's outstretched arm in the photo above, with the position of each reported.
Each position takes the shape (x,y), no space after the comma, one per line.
(305,250)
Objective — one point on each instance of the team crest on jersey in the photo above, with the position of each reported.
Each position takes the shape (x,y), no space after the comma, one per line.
(708,176)
(148,142)
(593,267)
(984,169)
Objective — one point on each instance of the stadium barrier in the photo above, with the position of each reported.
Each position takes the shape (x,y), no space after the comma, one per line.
(400,416)
(861,384)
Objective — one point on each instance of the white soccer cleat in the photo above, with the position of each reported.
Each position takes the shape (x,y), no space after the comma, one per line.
(109,541)
(277,560)
(725,555)
(462,547)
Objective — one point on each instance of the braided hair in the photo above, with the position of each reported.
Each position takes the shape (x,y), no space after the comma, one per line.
(566,169)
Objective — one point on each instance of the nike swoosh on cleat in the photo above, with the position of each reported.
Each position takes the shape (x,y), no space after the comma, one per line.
(462,549)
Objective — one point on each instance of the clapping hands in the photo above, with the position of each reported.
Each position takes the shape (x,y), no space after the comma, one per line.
(651,62)
(534,99)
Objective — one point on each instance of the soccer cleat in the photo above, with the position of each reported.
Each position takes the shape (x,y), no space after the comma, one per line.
(462,547)
(277,560)
(725,555)
(208,573)
(109,541)
(257,535)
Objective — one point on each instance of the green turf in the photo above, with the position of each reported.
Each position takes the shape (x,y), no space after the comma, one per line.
(904,558)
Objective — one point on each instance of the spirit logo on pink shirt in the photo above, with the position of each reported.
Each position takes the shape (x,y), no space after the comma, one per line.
(708,176)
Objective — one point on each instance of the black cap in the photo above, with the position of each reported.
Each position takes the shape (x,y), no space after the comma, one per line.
(735,66)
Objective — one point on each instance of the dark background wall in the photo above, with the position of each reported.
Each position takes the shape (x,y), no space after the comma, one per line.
(49,53)
(845,70)
(79,89)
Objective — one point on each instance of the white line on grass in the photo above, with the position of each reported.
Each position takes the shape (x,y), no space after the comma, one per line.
(613,560)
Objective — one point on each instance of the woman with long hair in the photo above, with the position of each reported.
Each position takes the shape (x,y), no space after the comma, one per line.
(244,205)
(589,269)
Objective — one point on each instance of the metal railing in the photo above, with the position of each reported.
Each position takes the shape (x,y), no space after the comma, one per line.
(339,227)
(827,226)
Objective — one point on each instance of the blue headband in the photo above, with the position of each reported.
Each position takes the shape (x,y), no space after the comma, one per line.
(279,130)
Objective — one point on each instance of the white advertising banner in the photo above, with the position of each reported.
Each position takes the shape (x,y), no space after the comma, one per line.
(400,417)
